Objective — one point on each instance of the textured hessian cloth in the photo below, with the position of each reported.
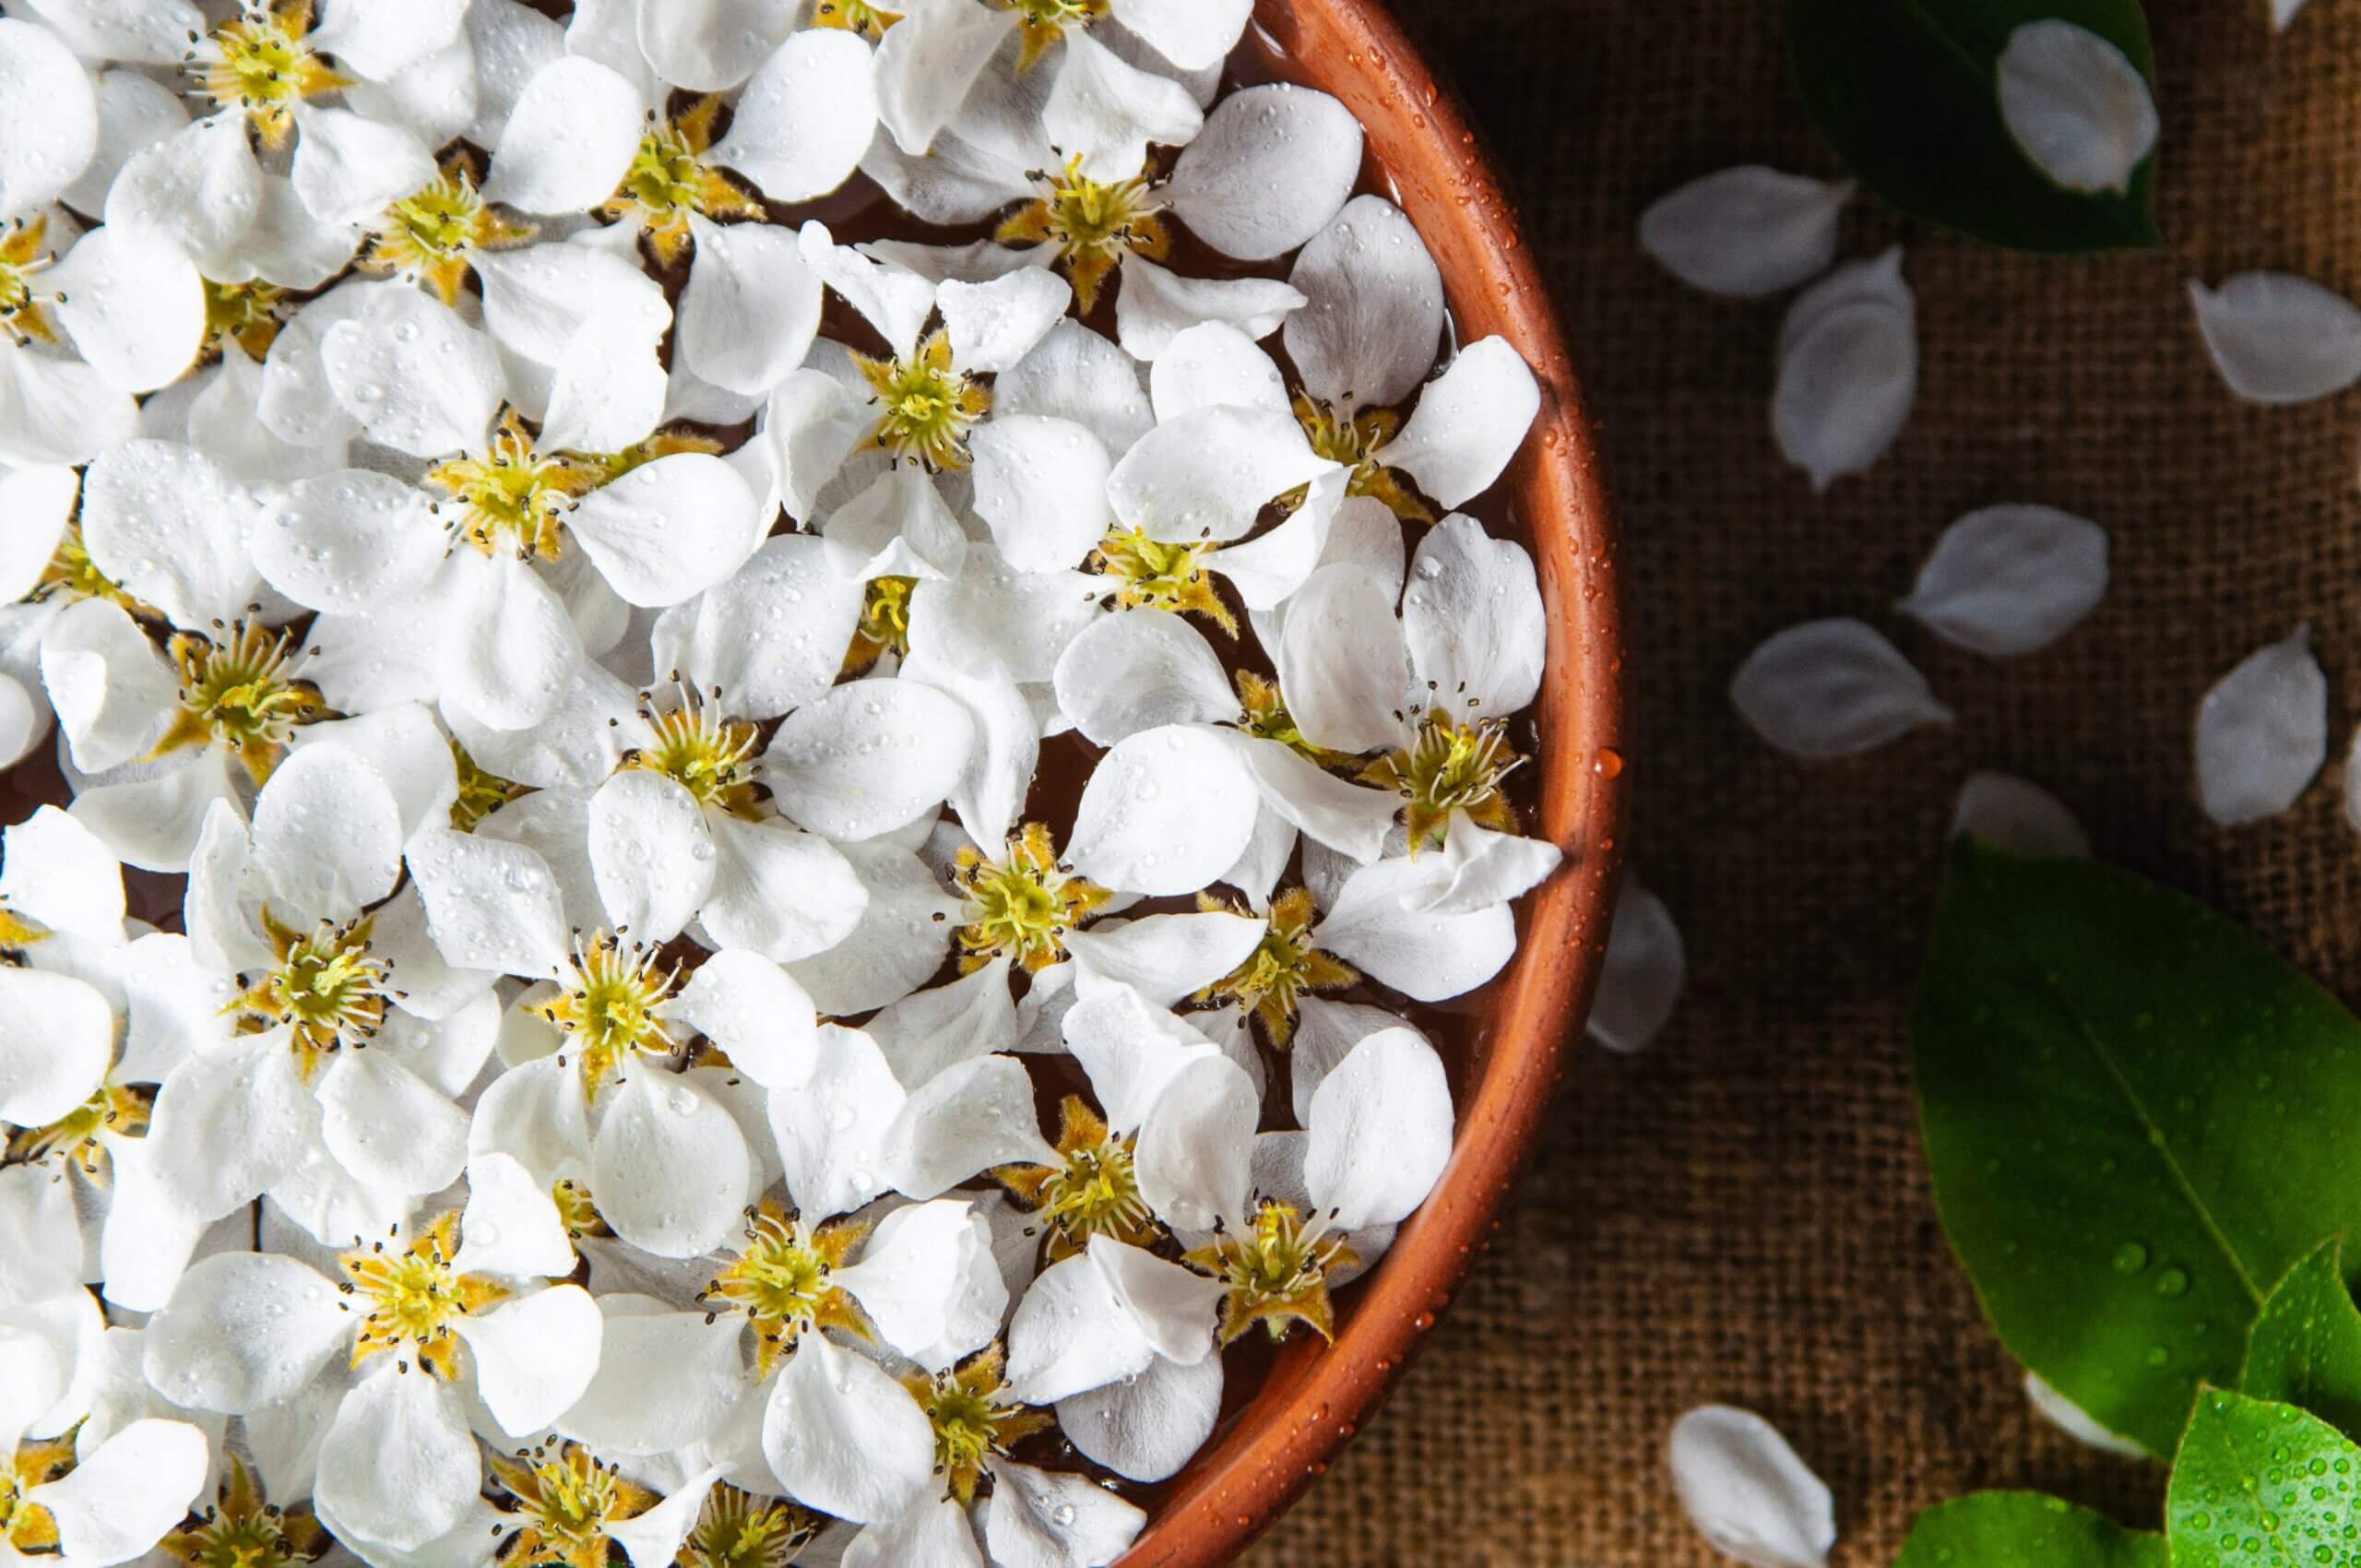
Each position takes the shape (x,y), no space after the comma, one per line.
(1741,1214)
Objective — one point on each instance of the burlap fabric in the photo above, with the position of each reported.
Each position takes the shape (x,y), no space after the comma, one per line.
(1741,1214)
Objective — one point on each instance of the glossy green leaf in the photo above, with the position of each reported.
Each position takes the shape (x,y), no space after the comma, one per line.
(1907,90)
(2138,1118)
(2261,1485)
(2024,1529)
(2305,1348)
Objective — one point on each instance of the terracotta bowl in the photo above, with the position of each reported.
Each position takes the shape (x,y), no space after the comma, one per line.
(1516,1049)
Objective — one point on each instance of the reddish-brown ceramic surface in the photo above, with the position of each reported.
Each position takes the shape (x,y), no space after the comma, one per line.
(1318,1395)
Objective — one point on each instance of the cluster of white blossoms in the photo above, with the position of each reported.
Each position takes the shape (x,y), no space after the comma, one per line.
(779,873)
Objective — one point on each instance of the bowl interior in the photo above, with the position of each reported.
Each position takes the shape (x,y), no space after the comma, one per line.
(1514,1051)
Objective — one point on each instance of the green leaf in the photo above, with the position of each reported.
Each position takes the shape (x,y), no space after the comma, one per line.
(1908,92)
(2261,1485)
(2137,1116)
(2305,1348)
(2024,1529)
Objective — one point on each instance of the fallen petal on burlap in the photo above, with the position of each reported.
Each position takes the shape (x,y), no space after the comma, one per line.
(1746,231)
(1747,1492)
(2262,733)
(1641,978)
(1848,369)
(2016,813)
(2076,105)
(2007,580)
(1831,688)
(2279,338)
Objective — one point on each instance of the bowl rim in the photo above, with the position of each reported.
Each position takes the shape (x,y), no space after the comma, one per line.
(1317,1396)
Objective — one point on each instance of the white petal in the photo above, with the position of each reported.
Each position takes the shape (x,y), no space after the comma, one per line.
(784,894)
(995,325)
(56,1035)
(1021,621)
(1380,1130)
(2262,733)
(286,245)
(55,870)
(224,421)
(512,659)
(750,306)
(153,821)
(22,725)
(926,1279)
(510,42)
(2007,580)
(387,1127)
(154,32)
(1107,110)
(511,1225)
(1145,1427)
(1138,671)
(37,501)
(894,301)
(1165,487)
(669,1167)
(41,1239)
(1478,867)
(297,400)
(1164,957)
(349,168)
(533,1356)
(1272,167)
(1472,620)
(327,833)
(651,853)
(805,118)
(434,99)
(134,303)
(901,940)
(756,1013)
(233,1122)
(245,1331)
(1342,661)
(927,62)
(1213,364)
(699,1380)
(1037,1519)
(1166,811)
(536,298)
(610,387)
(134,112)
(417,377)
(1427,956)
(1007,737)
(966,1119)
(1350,819)
(106,682)
(2014,814)
(1368,334)
(653,1540)
(350,540)
(1641,979)
(1848,369)
(1071,1333)
(1133,1049)
(706,45)
(58,410)
(1196,1144)
(201,187)
(398,1466)
(577,743)
(899,527)
(1075,374)
(2279,338)
(771,636)
(829,1132)
(168,524)
(1156,304)
(936,1532)
(868,756)
(49,116)
(1041,484)
(2076,1422)
(2076,105)
(1747,1492)
(534,1112)
(1746,231)
(120,1500)
(489,904)
(844,1437)
(1469,422)
(569,139)
(378,40)
(1830,689)
(927,1031)
(1196,35)
(1171,1305)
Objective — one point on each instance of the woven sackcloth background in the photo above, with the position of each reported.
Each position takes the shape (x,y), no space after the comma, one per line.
(1740,1212)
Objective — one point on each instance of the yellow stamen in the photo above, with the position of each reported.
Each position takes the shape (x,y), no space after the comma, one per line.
(1095,1190)
(114,1108)
(241,692)
(324,985)
(1162,576)
(863,16)
(248,314)
(414,1296)
(564,1505)
(1353,442)
(974,1418)
(885,624)
(1266,716)
(481,792)
(1044,22)
(607,1007)
(1278,1274)
(24,1523)
(1090,224)
(1023,906)
(670,179)
(694,747)
(432,236)
(1449,765)
(737,1529)
(780,1280)
(1283,966)
(240,1531)
(515,497)
(73,576)
(925,406)
(22,307)
(261,62)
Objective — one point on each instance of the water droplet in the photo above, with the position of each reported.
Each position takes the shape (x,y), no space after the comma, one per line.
(2131,1258)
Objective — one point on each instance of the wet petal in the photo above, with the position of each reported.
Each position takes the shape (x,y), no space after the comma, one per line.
(2279,338)
(993,325)
(56,1035)
(1272,167)
(134,303)
(1747,231)
(926,1279)
(350,168)
(489,904)
(782,893)
(49,116)
(805,118)
(1075,374)
(416,377)
(1342,660)
(1747,1492)
(55,870)
(120,1500)
(2076,105)
(2262,733)
(1830,689)
(398,1466)
(844,1437)
(1472,620)
(1196,35)
(968,1118)
(327,833)
(170,525)
(1156,305)
(1164,486)
(2007,580)
(1166,811)
(1469,422)
(1374,926)
(1213,364)
(245,1331)
(1380,1130)
(351,541)
(1041,485)
(670,1168)
(1145,1427)
(534,1355)
(867,757)
(569,139)
(926,63)
(751,307)
(706,45)
(1139,670)
(669,529)
(757,1013)
(1375,310)
(1108,110)
(1042,1519)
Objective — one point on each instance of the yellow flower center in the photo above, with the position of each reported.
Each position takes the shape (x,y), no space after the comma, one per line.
(515,497)
(72,575)
(432,236)
(1090,224)
(1353,440)
(1022,907)
(1266,718)
(669,179)
(482,793)
(564,1505)
(415,1295)
(1283,966)
(925,405)
(885,624)
(1043,22)
(75,1136)
(737,1529)
(1093,1191)
(973,1417)
(863,17)
(241,692)
(1448,766)
(25,1524)
(241,1532)
(324,986)
(575,1210)
(21,257)
(608,1008)
(245,313)
(780,1280)
(711,757)
(1151,573)
(261,63)
(1277,1271)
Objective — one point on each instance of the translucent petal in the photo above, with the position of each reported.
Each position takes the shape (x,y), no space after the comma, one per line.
(1746,231)
(1138,671)
(1644,973)
(669,1165)
(49,116)
(1848,369)
(245,1331)
(1831,688)
(398,1466)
